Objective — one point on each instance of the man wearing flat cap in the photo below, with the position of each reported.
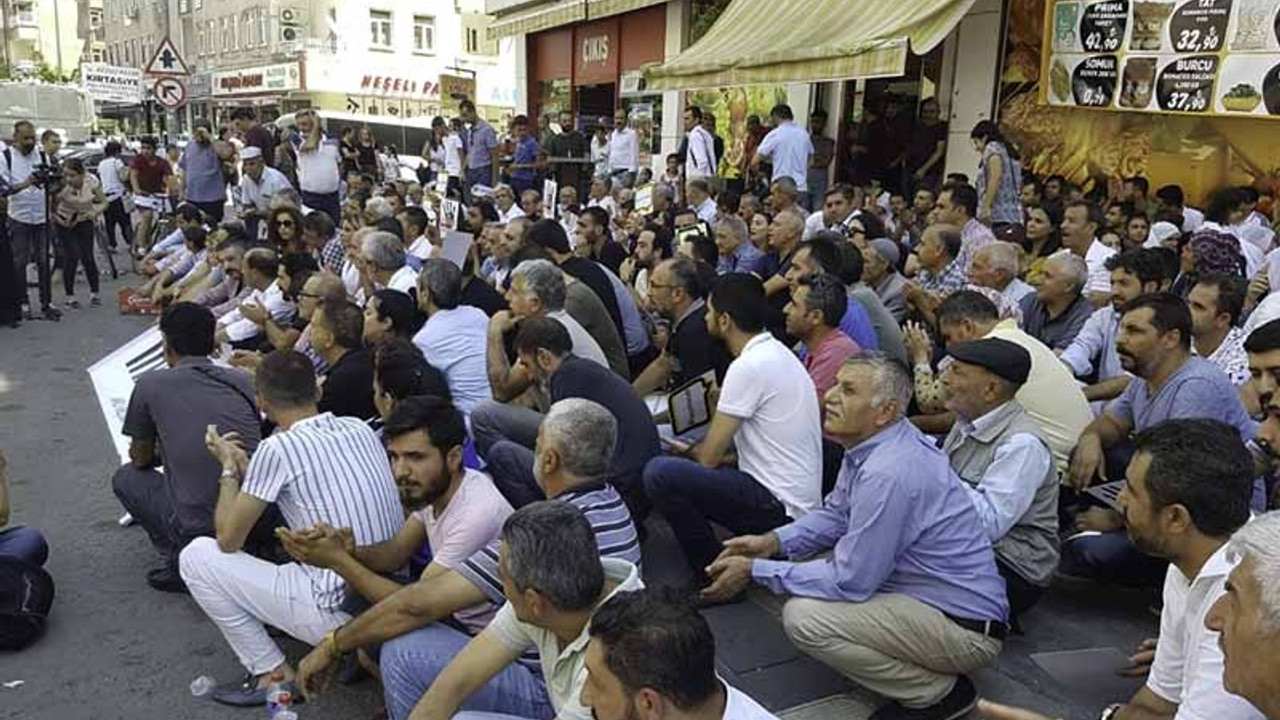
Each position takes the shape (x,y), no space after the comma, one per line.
(258,184)
(1000,452)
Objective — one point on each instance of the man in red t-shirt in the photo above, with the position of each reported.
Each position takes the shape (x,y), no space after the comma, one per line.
(148,174)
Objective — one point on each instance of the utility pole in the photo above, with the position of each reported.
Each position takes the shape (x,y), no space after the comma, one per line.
(4,18)
(57,37)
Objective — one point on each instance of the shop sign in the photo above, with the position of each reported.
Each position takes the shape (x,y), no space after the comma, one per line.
(271,78)
(1205,57)
(200,85)
(372,84)
(110,83)
(596,53)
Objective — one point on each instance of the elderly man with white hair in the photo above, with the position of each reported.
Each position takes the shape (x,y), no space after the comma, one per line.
(382,266)
(996,266)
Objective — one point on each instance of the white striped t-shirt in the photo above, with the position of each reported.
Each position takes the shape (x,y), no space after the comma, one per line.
(333,470)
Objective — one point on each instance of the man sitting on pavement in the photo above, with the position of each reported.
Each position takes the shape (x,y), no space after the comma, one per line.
(575,442)
(767,410)
(737,254)
(453,510)
(319,469)
(169,412)
(1216,302)
(260,271)
(653,653)
(505,436)
(337,335)
(822,254)
(1187,491)
(910,600)
(677,296)
(1093,352)
(553,579)
(454,335)
(1000,452)
(1169,383)
(1058,310)
(996,266)
(382,265)
(817,303)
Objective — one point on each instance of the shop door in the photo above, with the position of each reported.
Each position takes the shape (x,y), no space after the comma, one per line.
(596,102)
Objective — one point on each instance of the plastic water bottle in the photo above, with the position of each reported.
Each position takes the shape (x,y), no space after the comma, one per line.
(275,693)
(286,711)
(202,686)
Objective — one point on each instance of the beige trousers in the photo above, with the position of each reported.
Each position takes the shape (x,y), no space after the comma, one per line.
(894,645)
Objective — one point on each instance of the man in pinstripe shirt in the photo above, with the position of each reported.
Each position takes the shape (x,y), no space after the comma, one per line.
(317,469)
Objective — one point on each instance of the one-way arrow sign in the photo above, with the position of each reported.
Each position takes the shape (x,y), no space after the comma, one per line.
(167,61)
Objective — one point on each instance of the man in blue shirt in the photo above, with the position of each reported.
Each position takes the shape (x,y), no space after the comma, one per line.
(201,163)
(909,600)
(737,254)
(1154,345)
(524,175)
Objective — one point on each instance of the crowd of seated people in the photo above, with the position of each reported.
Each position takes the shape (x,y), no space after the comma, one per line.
(909,404)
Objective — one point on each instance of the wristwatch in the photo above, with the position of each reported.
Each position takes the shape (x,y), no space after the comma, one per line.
(1111,711)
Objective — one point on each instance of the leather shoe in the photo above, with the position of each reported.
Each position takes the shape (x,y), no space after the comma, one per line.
(166,579)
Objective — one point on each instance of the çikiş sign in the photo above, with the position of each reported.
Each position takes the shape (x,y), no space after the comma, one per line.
(270,78)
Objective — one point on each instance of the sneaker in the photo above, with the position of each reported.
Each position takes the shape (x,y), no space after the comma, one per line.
(95,301)
(957,703)
(51,314)
(166,579)
(73,304)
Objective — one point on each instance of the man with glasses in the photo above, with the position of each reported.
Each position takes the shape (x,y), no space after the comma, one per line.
(677,294)
(24,185)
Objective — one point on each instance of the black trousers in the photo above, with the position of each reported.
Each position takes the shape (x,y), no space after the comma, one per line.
(1022,594)
(213,209)
(77,248)
(116,216)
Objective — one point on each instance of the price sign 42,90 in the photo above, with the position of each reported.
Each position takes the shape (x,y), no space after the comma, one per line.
(1098,41)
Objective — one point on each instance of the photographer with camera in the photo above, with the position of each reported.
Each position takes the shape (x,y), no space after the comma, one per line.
(25,171)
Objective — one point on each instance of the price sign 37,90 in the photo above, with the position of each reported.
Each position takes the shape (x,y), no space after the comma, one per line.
(1186,84)
(1187,102)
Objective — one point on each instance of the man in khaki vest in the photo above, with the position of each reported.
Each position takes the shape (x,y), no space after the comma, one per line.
(1001,454)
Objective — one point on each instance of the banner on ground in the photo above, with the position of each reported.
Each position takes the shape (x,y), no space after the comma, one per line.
(1202,57)
(115,375)
(111,83)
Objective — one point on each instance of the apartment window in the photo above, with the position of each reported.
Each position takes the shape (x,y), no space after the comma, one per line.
(95,18)
(99,56)
(380,28)
(262,28)
(246,29)
(201,40)
(197,5)
(226,34)
(424,34)
(473,41)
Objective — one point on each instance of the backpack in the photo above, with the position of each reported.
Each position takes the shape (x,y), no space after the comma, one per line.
(26,594)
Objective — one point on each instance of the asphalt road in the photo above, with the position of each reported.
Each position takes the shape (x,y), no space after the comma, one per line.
(114,647)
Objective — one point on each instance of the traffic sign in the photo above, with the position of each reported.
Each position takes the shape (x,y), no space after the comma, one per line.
(167,61)
(170,92)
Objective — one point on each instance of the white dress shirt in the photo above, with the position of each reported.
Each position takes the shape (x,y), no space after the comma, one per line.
(318,169)
(700,158)
(1188,667)
(1099,276)
(257,194)
(789,148)
(421,248)
(109,173)
(240,328)
(512,213)
(624,150)
(404,280)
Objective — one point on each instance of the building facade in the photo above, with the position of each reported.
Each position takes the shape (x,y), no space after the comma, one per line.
(401,59)
(58,34)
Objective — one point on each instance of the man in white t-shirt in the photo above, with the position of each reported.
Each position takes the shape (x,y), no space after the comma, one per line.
(454,511)
(788,147)
(630,661)
(1188,490)
(769,412)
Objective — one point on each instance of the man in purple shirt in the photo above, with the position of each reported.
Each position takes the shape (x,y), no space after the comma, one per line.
(909,599)
(523,173)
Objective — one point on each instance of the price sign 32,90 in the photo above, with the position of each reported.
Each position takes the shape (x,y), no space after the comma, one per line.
(1200,26)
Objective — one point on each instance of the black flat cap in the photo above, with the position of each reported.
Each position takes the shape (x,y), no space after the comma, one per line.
(999,357)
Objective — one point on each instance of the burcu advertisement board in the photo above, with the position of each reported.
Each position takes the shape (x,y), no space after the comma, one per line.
(1204,57)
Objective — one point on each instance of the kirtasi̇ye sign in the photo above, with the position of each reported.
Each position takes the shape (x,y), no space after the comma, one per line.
(283,77)
(111,83)
(1219,57)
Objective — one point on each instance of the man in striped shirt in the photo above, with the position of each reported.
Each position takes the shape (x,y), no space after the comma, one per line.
(574,449)
(317,469)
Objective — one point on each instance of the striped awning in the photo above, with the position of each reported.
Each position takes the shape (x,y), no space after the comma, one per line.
(538,17)
(605,8)
(769,42)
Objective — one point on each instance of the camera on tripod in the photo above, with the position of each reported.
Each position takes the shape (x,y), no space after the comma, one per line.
(45,175)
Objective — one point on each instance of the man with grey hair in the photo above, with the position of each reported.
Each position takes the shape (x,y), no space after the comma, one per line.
(574,445)
(880,272)
(554,579)
(382,266)
(375,209)
(698,192)
(1247,617)
(455,335)
(737,253)
(996,266)
(785,233)
(907,615)
(1058,309)
(537,290)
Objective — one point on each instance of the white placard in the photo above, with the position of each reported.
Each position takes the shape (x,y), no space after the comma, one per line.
(549,191)
(111,83)
(114,376)
(455,247)
(449,214)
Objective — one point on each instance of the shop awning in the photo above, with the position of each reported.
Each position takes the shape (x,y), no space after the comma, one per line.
(606,8)
(538,17)
(768,42)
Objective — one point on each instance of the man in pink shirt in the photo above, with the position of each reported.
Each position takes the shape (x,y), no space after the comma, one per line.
(818,302)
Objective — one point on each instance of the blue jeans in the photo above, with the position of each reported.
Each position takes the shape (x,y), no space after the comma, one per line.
(24,544)
(411,662)
(479,176)
(1111,557)
(691,497)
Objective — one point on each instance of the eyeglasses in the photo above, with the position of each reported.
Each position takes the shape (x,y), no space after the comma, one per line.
(284,223)
(307,295)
